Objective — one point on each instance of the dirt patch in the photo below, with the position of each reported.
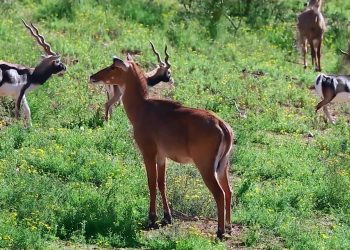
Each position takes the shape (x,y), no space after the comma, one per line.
(200,226)
(5,122)
(255,74)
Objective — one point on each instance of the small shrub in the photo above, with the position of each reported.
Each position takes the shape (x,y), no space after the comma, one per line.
(56,9)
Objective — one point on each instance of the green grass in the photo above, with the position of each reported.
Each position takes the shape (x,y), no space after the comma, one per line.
(74,178)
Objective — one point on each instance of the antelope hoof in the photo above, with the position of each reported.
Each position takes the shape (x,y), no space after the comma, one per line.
(167,219)
(28,125)
(220,234)
(152,222)
(152,225)
(228,228)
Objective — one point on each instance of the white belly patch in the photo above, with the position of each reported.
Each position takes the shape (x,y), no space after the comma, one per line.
(342,97)
(12,90)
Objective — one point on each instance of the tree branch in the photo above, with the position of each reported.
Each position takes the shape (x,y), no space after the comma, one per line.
(343,52)
(234,25)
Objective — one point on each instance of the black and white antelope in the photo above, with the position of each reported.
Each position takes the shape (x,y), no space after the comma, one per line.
(332,88)
(16,79)
(161,73)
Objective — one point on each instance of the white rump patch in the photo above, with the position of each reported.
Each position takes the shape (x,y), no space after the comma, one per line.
(318,84)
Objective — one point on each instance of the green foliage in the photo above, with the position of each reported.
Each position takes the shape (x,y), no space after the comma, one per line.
(56,9)
(74,179)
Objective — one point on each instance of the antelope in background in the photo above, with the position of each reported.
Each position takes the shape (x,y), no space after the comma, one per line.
(333,88)
(166,129)
(15,79)
(161,73)
(311,26)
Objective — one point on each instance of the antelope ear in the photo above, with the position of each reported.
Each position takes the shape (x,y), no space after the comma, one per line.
(329,80)
(55,57)
(334,81)
(119,63)
(129,57)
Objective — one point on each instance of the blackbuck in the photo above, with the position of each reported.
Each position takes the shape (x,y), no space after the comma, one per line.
(161,73)
(311,27)
(165,129)
(332,88)
(16,79)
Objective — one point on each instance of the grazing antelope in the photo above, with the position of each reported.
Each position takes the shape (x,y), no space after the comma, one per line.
(311,26)
(161,73)
(15,79)
(332,89)
(166,129)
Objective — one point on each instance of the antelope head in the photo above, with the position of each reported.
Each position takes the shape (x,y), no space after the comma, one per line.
(162,72)
(114,74)
(50,62)
(314,4)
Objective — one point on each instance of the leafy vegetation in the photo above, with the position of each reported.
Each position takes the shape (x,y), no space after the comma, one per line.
(75,179)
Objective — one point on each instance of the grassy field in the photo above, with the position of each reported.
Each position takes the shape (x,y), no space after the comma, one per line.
(74,181)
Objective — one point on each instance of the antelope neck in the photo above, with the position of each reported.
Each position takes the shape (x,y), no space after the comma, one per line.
(135,95)
(154,79)
(40,76)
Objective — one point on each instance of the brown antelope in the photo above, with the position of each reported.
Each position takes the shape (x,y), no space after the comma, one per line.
(332,88)
(15,79)
(166,129)
(161,73)
(311,26)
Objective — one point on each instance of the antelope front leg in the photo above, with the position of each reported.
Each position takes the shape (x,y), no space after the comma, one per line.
(327,98)
(319,56)
(304,51)
(151,168)
(109,104)
(161,169)
(19,99)
(16,112)
(348,113)
(26,111)
(18,106)
(114,96)
(313,55)
(329,117)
